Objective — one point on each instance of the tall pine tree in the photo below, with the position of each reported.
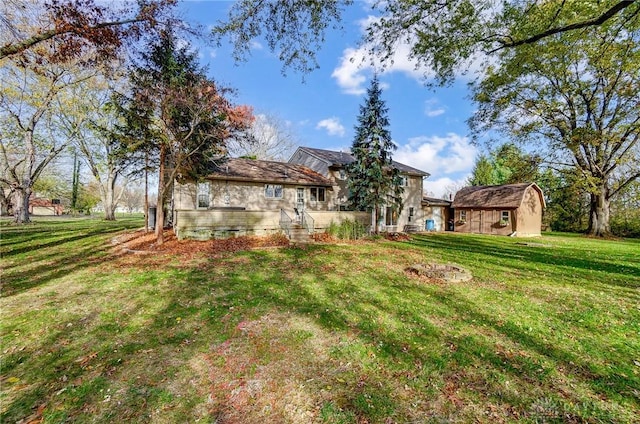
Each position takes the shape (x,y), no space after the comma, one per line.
(373,181)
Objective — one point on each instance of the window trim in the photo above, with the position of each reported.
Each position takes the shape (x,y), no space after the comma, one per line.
(317,190)
(404,181)
(274,190)
(391,216)
(202,193)
(462,217)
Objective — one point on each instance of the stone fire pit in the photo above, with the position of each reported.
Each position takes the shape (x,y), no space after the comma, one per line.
(446,272)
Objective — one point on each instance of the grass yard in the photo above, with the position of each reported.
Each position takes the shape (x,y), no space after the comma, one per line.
(545,332)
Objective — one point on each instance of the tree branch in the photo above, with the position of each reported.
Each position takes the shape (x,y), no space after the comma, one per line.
(16,48)
(614,10)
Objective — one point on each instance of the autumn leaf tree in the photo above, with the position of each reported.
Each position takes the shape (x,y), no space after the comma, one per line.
(574,98)
(187,115)
(73,26)
(373,181)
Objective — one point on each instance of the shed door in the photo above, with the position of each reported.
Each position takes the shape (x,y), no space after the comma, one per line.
(476,221)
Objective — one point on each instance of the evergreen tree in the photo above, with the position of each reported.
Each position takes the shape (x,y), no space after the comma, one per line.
(483,173)
(373,181)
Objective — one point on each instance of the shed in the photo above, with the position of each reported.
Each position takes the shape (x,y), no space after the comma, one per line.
(510,209)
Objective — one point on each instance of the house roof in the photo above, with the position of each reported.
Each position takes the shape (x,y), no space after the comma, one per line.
(508,196)
(341,159)
(266,171)
(432,201)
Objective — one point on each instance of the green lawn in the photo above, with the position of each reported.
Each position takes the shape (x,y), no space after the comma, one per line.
(547,331)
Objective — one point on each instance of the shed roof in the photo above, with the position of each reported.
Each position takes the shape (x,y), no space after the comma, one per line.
(432,201)
(341,159)
(508,196)
(266,171)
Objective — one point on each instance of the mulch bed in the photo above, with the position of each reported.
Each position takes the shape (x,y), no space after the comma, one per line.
(141,242)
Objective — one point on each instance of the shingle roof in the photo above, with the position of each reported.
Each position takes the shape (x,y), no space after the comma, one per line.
(340,159)
(507,196)
(432,201)
(266,171)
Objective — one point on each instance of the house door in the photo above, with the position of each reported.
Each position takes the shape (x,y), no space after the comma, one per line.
(436,215)
(299,203)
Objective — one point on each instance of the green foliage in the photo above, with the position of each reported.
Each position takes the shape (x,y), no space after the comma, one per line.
(573,97)
(483,173)
(347,230)
(373,180)
(295,30)
(445,36)
(507,164)
(625,212)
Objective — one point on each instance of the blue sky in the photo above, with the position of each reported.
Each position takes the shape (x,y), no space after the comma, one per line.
(428,126)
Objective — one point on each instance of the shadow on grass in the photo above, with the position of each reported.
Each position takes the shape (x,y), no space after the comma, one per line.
(621,271)
(85,360)
(35,254)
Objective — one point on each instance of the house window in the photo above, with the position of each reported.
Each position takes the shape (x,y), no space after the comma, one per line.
(504,216)
(317,194)
(463,216)
(273,191)
(203,195)
(404,181)
(410,214)
(391,217)
(342,174)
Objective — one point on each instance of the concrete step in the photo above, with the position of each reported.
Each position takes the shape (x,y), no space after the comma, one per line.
(299,235)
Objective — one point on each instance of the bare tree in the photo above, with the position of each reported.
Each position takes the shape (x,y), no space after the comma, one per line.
(30,135)
(269,138)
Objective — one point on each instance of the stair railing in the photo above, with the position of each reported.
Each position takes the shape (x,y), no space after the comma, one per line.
(308,222)
(285,222)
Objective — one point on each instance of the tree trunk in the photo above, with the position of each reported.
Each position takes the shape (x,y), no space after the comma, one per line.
(160,203)
(599,215)
(146,192)
(4,202)
(109,197)
(21,204)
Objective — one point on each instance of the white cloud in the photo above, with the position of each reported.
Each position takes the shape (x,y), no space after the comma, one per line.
(255,45)
(332,125)
(355,63)
(349,73)
(442,187)
(213,53)
(448,159)
(432,108)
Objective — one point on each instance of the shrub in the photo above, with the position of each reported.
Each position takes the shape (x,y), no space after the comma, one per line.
(347,230)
